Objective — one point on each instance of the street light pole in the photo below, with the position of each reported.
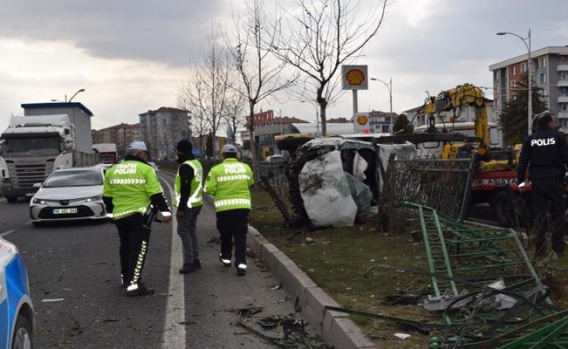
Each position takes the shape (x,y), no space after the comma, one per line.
(389,87)
(76,93)
(527,42)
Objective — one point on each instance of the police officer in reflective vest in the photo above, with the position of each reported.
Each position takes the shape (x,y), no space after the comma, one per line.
(188,200)
(228,183)
(545,154)
(133,196)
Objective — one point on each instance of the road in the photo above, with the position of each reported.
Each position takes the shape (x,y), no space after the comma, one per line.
(74,279)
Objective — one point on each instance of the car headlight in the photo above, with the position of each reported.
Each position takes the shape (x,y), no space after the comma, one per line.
(95,198)
(38,201)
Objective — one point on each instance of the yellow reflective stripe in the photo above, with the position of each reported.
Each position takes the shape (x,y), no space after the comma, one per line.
(230,202)
(232,178)
(127,181)
(139,263)
(124,213)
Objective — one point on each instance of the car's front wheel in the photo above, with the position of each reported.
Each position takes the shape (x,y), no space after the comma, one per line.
(23,337)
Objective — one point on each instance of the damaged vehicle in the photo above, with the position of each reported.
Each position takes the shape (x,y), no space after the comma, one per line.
(333,181)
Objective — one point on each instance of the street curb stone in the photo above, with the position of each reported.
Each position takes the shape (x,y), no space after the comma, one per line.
(335,328)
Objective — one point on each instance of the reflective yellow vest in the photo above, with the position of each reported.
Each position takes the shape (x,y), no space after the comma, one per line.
(131,183)
(228,183)
(195,194)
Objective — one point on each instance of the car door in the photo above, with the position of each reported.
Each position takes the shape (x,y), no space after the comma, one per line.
(5,320)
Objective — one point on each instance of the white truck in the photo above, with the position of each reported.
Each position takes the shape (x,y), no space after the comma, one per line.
(33,146)
(107,152)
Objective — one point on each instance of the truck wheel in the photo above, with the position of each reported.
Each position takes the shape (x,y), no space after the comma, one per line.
(12,199)
(504,210)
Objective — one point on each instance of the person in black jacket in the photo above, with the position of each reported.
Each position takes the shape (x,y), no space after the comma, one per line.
(545,155)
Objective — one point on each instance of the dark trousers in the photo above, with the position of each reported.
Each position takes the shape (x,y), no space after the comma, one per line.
(187,231)
(548,197)
(134,241)
(233,225)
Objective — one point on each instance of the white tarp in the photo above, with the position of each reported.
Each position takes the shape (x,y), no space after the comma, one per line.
(326,192)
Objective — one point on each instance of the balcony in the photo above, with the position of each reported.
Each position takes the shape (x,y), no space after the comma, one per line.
(562,83)
(562,67)
(563,115)
(563,99)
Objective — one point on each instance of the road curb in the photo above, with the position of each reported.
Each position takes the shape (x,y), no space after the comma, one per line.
(335,328)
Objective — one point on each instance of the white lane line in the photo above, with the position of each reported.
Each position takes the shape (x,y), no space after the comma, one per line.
(7,232)
(174,331)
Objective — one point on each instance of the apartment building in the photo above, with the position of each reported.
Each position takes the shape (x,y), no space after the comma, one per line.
(161,130)
(549,70)
(122,135)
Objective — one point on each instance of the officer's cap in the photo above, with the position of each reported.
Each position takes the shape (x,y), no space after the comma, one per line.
(138,145)
(229,148)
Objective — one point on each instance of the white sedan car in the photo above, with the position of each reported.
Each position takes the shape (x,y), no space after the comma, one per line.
(69,194)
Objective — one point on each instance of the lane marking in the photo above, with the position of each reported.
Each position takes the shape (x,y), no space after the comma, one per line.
(7,232)
(174,333)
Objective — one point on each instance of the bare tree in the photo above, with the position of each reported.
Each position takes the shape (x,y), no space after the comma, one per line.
(320,39)
(206,91)
(261,74)
(198,122)
(234,113)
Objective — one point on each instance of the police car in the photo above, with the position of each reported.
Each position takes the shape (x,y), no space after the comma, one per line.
(16,310)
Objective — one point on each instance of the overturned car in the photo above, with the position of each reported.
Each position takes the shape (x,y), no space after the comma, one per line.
(334,181)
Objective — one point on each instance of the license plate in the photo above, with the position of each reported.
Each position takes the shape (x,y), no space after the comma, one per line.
(64,210)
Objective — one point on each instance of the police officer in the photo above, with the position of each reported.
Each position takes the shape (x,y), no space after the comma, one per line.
(188,200)
(133,195)
(545,154)
(229,183)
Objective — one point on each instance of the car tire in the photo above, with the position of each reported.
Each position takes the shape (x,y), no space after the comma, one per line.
(12,199)
(23,336)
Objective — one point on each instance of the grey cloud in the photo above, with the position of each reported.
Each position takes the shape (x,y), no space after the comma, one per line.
(165,31)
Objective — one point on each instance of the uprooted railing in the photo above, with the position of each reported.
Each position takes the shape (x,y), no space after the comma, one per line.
(483,285)
(443,184)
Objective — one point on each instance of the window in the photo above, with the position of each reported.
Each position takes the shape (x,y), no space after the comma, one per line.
(563,75)
(564,106)
(543,78)
(514,70)
(543,62)
(524,67)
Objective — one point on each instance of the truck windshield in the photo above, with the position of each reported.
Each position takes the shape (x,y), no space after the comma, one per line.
(107,158)
(25,147)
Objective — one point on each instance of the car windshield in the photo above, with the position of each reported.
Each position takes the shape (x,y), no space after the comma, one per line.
(73,179)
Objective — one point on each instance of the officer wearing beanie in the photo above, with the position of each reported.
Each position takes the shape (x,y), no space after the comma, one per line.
(188,200)
(133,196)
(545,154)
(229,183)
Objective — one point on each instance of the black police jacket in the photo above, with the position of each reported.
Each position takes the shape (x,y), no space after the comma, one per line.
(545,153)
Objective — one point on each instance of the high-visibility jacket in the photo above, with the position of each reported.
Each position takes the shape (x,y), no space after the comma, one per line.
(196,192)
(130,184)
(228,183)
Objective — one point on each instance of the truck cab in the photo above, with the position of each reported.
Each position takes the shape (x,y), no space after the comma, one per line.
(32,147)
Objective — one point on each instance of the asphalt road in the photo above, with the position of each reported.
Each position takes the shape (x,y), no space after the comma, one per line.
(74,278)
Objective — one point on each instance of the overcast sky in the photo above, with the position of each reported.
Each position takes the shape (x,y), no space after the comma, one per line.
(131,56)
